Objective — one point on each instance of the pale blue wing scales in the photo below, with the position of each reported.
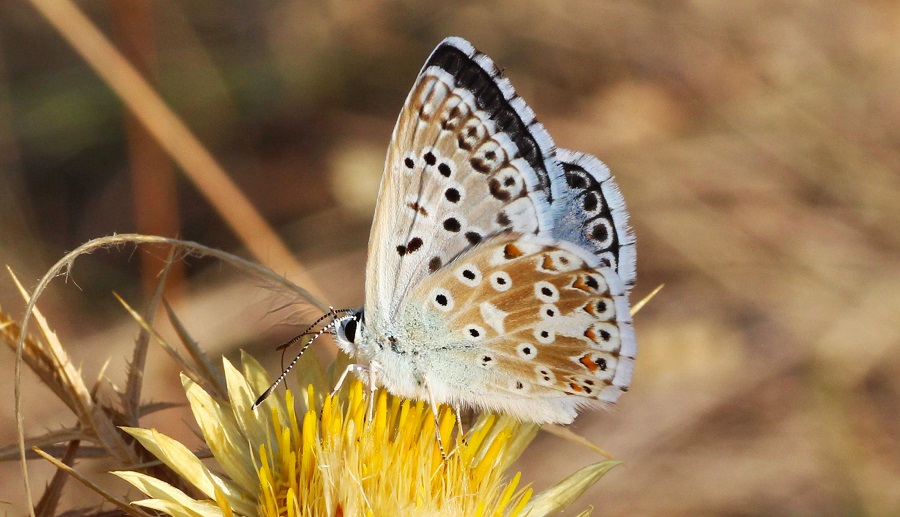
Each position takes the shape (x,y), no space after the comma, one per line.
(590,212)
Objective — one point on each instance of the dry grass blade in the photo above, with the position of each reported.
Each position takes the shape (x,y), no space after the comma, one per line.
(183,363)
(36,357)
(155,407)
(50,500)
(131,399)
(45,441)
(92,418)
(121,505)
(567,434)
(643,301)
(215,380)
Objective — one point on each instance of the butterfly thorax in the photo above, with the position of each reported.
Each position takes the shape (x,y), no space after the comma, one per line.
(396,354)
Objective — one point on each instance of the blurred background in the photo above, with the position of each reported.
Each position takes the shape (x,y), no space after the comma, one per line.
(757,145)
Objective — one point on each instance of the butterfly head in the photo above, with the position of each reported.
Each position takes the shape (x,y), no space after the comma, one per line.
(348,329)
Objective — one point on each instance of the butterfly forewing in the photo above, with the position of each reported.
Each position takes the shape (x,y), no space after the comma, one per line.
(467,161)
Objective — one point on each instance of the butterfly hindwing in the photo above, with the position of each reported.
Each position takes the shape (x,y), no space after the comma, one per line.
(467,161)
(531,322)
(589,211)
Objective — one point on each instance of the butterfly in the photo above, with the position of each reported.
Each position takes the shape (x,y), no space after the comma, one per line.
(498,265)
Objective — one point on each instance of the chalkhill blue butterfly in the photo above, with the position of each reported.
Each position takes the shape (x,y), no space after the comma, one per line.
(498,265)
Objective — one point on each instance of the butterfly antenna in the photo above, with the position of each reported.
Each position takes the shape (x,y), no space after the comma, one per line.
(327,328)
(332,313)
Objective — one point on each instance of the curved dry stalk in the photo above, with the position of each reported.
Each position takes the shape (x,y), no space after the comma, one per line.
(84,404)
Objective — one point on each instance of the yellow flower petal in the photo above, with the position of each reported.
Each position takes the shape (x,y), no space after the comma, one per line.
(165,493)
(223,504)
(180,459)
(258,380)
(222,436)
(255,425)
(307,372)
(177,510)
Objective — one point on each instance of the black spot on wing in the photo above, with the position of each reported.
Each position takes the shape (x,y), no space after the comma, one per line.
(489,98)
(413,245)
(590,194)
(452,195)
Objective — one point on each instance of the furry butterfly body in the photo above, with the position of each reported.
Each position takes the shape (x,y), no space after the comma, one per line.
(499,266)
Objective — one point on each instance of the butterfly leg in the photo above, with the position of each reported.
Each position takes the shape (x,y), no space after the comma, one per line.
(373,366)
(437,420)
(365,373)
(459,423)
(357,369)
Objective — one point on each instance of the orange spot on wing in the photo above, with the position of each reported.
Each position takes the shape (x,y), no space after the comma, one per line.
(588,363)
(511,251)
(579,284)
(589,308)
(590,334)
(548,264)
(576,387)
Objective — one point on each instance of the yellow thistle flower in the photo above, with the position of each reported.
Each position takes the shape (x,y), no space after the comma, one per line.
(321,455)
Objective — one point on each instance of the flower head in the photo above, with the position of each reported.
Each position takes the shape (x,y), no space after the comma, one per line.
(322,455)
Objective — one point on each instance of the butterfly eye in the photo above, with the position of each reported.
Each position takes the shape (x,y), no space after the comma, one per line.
(452,195)
(601,308)
(548,311)
(577,179)
(604,335)
(350,330)
(591,203)
(518,386)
